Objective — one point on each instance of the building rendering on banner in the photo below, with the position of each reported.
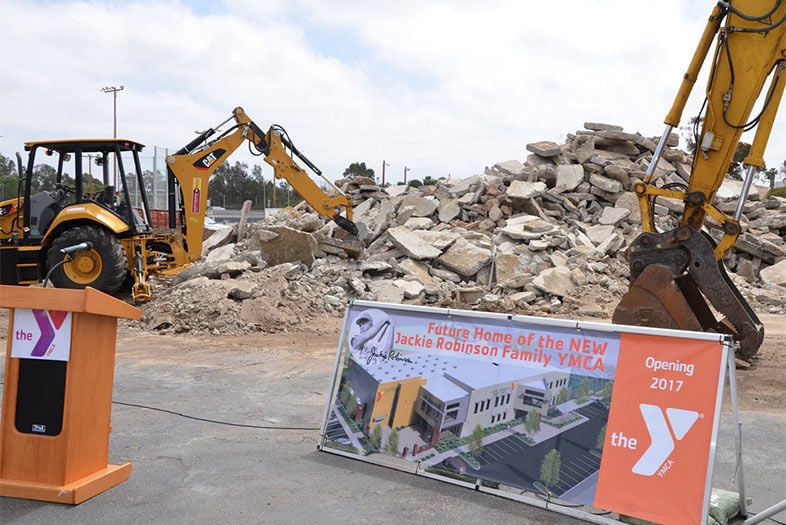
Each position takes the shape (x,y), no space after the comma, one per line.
(443,396)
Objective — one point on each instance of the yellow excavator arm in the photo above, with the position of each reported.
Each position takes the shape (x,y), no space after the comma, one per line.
(675,274)
(190,168)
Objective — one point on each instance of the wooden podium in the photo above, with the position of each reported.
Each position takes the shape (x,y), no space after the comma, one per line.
(57,398)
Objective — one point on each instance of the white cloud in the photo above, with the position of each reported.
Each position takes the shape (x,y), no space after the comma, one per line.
(438,86)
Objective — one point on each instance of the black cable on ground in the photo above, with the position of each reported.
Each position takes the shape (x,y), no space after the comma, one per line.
(207,420)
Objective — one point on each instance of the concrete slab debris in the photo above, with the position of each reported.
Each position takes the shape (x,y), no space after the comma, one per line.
(526,235)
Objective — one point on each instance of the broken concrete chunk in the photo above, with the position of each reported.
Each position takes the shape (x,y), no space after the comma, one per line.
(241,289)
(417,270)
(520,189)
(465,258)
(598,234)
(605,184)
(527,227)
(555,281)
(449,210)
(219,238)
(461,187)
(222,253)
(232,268)
(386,291)
(445,275)
(775,274)
(545,148)
(513,168)
(422,207)
(511,271)
(629,201)
(375,266)
(418,223)
(288,245)
(441,240)
(613,215)
(569,176)
(412,289)
(598,126)
(411,244)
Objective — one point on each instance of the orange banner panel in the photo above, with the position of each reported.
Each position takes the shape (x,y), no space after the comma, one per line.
(657,446)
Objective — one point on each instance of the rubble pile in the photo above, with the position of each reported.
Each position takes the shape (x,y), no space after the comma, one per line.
(545,236)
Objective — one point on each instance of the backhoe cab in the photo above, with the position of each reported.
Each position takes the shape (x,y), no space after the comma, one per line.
(678,277)
(112,213)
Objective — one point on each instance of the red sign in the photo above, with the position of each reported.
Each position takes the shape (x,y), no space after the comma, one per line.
(195,201)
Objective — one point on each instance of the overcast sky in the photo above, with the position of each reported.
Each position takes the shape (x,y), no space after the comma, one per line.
(441,87)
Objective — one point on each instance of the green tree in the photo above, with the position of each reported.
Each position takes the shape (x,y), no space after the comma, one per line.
(352,405)
(563,395)
(607,389)
(736,169)
(345,394)
(549,469)
(358,169)
(782,171)
(690,132)
(232,185)
(532,422)
(7,166)
(583,391)
(392,445)
(428,180)
(769,176)
(601,438)
(375,439)
(286,196)
(9,178)
(45,177)
(415,183)
(260,194)
(772,176)
(475,442)
(9,187)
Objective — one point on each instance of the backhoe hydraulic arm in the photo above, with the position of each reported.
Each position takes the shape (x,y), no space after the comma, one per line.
(671,272)
(190,169)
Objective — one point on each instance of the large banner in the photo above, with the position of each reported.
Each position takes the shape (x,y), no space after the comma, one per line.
(611,417)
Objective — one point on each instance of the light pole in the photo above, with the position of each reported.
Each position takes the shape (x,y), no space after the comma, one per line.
(406,169)
(114,90)
(383,172)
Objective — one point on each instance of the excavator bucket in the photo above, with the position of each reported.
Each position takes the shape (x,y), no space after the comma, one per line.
(678,284)
(654,299)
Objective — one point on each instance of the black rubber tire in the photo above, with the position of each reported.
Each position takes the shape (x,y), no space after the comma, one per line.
(105,264)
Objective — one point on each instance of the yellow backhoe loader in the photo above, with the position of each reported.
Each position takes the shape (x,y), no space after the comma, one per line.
(82,236)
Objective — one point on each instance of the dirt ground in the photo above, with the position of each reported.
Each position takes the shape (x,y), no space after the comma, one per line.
(761,388)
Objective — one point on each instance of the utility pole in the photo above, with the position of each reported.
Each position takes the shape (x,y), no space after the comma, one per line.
(406,169)
(383,172)
(114,90)
(264,196)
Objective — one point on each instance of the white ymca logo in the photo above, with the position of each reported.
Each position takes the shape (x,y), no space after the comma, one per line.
(679,423)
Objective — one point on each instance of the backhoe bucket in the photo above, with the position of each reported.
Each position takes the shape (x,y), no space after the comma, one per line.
(655,300)
(675,279)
